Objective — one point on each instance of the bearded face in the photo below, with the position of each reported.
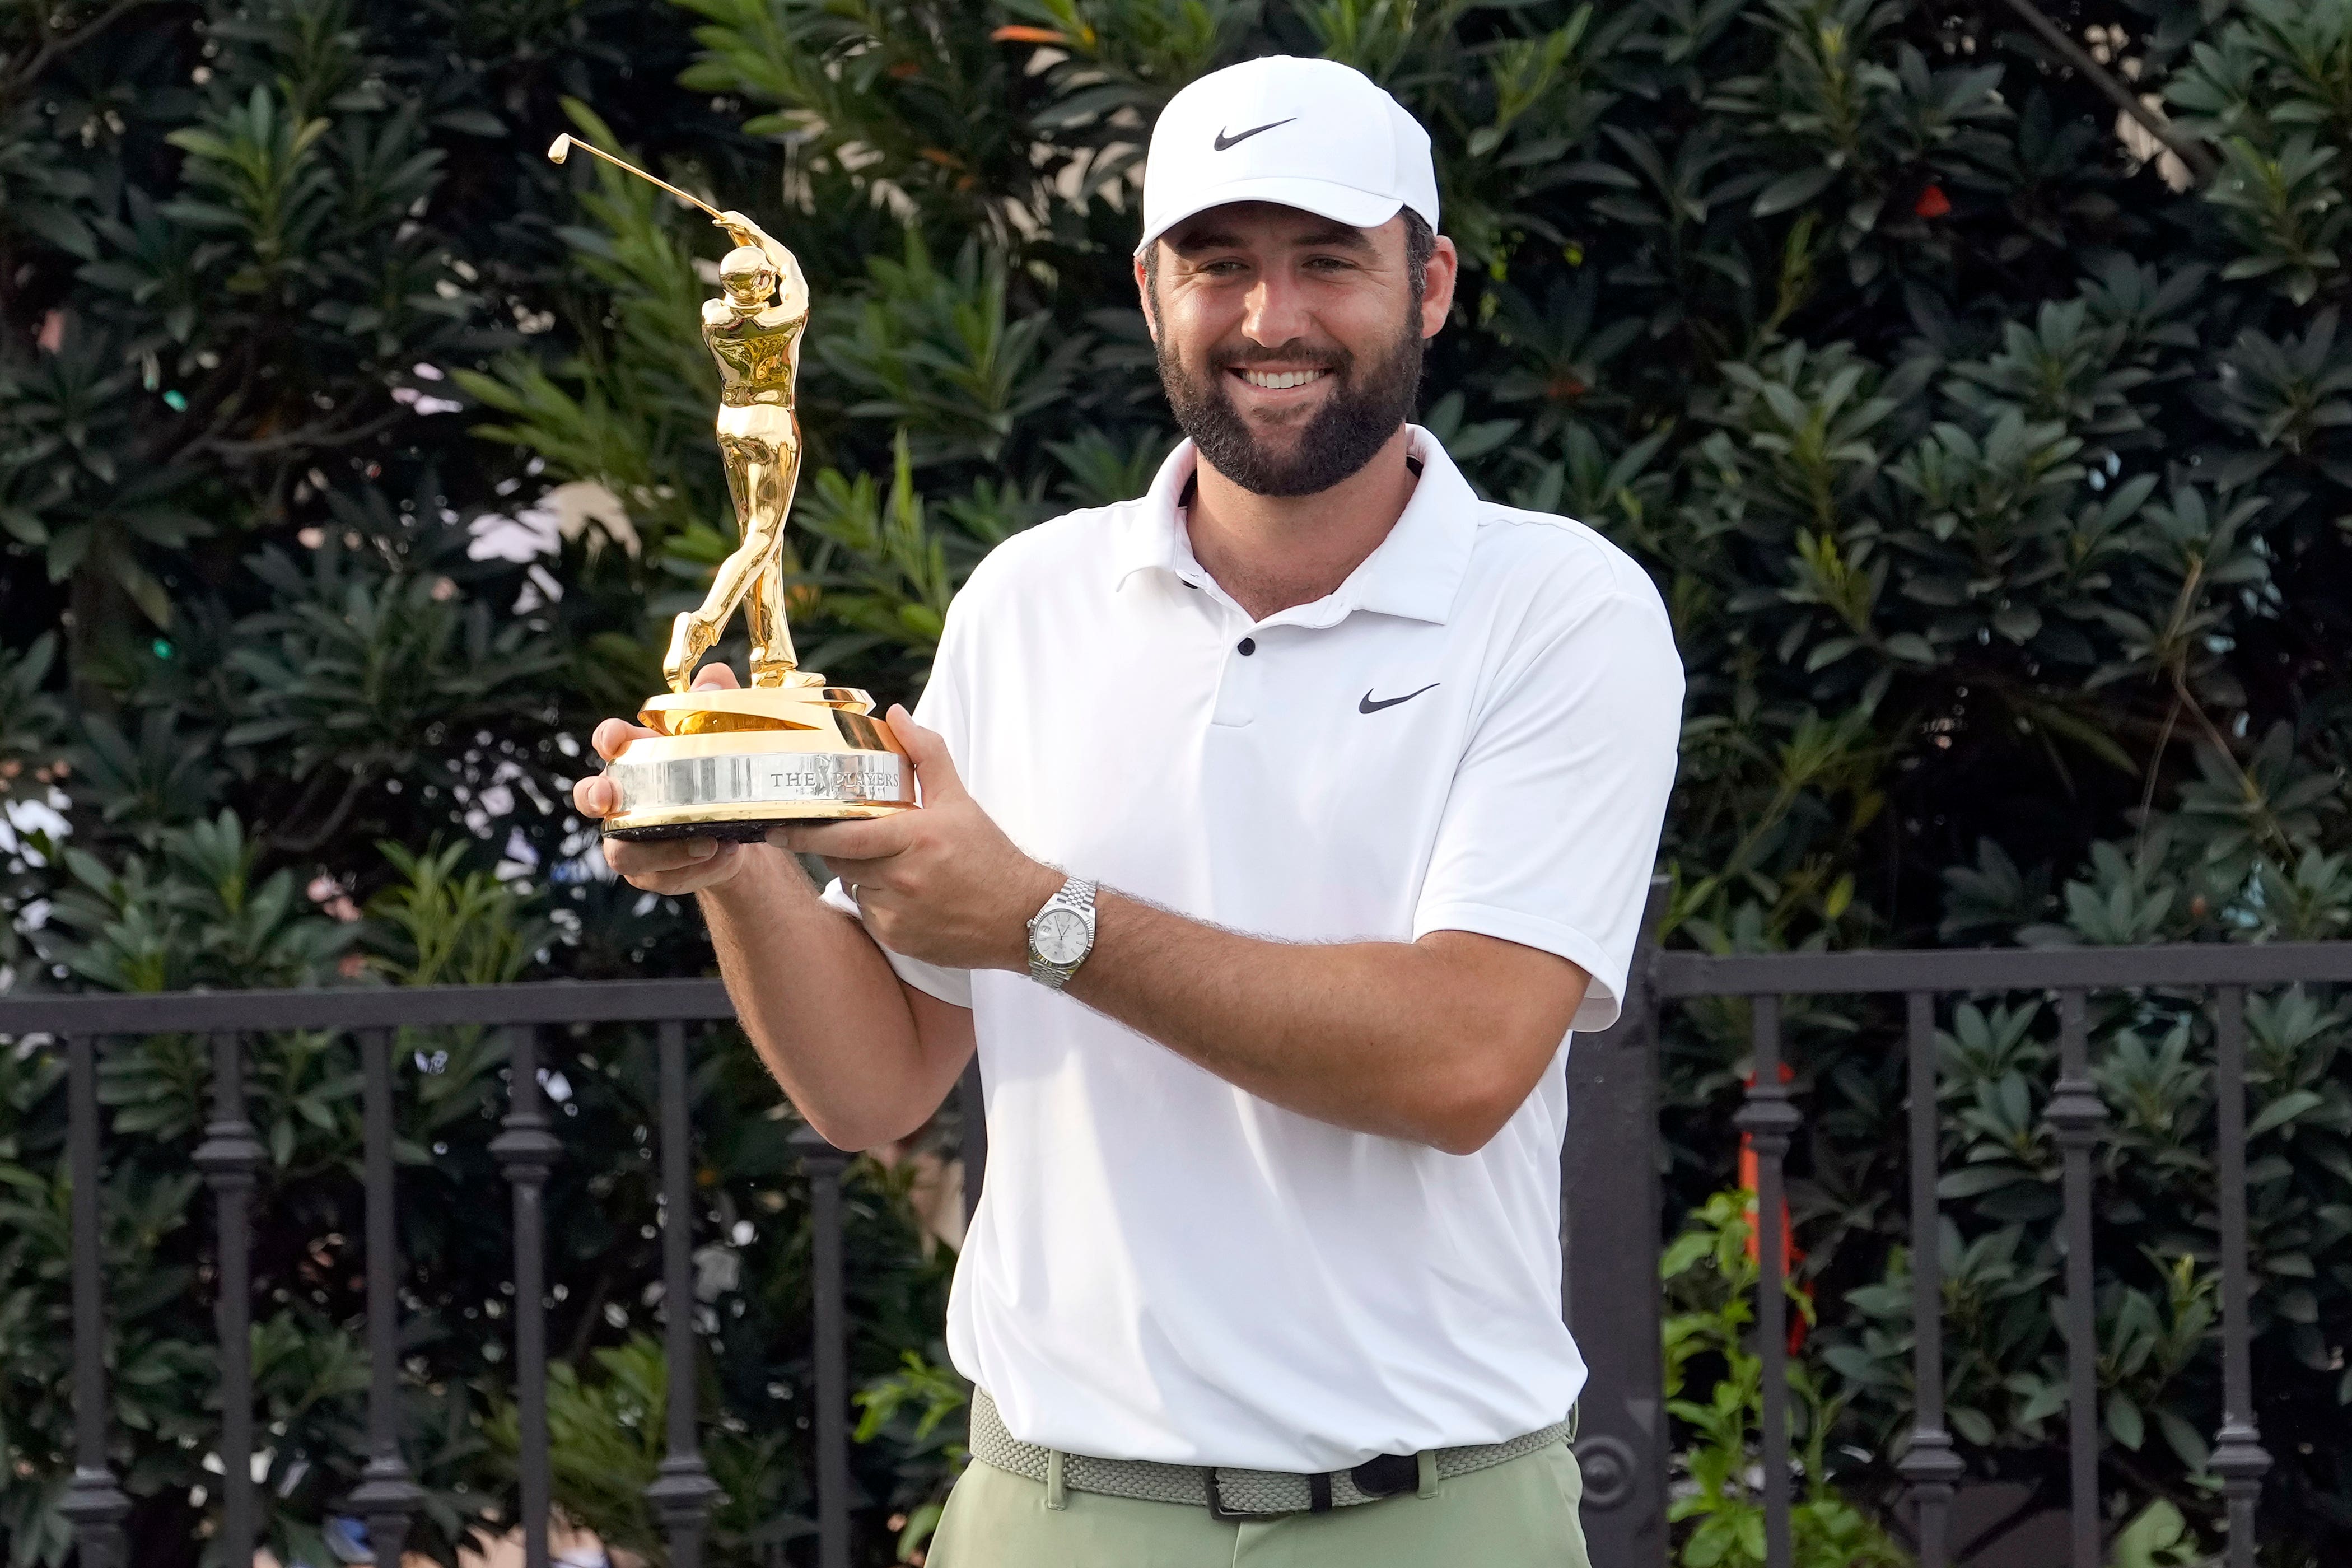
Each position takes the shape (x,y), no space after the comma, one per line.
(1290,347)
(1367,399)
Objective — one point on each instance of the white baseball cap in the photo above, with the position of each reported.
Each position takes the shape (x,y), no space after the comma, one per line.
(1312,134)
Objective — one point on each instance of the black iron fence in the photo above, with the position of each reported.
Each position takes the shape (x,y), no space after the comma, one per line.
(527,1150)
(1613,1209)
(1610,1228)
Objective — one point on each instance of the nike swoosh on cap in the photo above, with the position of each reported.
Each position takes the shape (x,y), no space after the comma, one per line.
(1223,140)
(1369,706)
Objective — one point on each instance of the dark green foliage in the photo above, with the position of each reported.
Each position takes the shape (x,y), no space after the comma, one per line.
(1995,478)
(1710,1279)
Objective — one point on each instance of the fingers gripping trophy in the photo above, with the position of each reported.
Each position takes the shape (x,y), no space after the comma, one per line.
(724,762)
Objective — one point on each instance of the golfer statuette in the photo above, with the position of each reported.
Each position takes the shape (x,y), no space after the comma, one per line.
(731,762)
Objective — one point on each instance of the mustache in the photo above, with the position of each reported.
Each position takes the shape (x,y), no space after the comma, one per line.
(1289,354)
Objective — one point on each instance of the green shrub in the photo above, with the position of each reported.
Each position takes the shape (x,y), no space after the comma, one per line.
(1710,1280)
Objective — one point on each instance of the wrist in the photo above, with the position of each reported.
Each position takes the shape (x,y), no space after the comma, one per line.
(1038,883)
(1062,933)
(740,889)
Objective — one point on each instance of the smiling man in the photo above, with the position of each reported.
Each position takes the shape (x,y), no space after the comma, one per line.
(1278,828)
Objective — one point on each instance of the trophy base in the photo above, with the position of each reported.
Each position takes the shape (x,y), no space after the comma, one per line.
(734,828)
(725,832)
(732,764)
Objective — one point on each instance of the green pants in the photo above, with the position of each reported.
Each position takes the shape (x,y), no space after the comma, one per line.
(1521,1514)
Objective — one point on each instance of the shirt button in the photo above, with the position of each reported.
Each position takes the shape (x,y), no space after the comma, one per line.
(1248,646)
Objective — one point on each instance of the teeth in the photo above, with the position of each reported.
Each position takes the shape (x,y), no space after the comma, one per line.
(1278,379)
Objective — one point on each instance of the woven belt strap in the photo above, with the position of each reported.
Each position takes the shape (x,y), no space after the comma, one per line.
(1238,1491)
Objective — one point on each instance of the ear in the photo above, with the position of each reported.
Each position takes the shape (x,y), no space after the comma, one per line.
(1143,298)
(1437,287)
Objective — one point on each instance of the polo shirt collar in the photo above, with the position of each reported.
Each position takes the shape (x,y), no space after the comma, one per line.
(1413,573)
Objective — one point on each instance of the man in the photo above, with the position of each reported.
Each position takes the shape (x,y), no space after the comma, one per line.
(1278,828)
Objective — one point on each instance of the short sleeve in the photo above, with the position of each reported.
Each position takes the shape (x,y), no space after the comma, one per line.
(943,707)
(1550,832)
(951,986)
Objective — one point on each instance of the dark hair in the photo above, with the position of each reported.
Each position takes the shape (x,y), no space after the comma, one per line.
(1420,245)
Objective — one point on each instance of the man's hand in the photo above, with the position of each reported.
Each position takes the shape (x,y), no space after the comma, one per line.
(740,229)
(944,883)
(864,1058)
(673,867)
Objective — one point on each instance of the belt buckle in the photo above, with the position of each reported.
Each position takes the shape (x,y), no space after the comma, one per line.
(1217,1509)
(1387,1475)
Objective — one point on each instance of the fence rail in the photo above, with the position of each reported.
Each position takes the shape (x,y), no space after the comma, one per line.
(1610,1233)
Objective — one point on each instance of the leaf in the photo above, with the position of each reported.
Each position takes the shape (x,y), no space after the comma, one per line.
(2018,623)
(472,121)
(2124,1423)
(2184,1439)
(1911,647)
(1597,173)
(1683,1252)
(2284,1109)
(2151,1538)
(61,227)
(1792,190)
(1971,1182)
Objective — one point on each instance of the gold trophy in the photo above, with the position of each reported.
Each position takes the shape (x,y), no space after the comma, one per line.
(732,764)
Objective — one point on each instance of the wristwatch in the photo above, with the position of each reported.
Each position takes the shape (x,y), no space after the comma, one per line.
(1062,933)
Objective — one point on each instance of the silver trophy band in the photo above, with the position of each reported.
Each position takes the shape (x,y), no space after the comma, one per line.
(771,777)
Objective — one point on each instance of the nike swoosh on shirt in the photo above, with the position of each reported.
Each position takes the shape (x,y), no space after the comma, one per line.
(1369,706)
(1223,140)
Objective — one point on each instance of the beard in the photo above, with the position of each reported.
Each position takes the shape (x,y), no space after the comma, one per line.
(1367,403)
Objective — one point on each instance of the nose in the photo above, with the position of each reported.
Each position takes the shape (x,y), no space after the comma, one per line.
(1276,309)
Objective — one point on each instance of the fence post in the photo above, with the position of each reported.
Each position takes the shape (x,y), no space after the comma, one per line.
(1610,1212)
(2239,1457)
(387,1496)
(684,1492)
(2077,1117)
(1930,1468)
(527,1151)
(95,1505)
(229,1156)
(1771,1121)
(830,1423)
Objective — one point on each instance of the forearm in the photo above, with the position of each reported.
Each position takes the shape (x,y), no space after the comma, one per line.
(1433,1041)
(823,1006)
(1438,1040)
(787,265)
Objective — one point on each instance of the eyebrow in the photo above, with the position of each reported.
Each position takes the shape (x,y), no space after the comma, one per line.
(1338,237)
(1193,242)
(1334,237)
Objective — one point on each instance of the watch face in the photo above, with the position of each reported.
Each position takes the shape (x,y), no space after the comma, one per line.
(1060,937)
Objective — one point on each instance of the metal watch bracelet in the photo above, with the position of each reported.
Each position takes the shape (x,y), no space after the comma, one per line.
(1069,912)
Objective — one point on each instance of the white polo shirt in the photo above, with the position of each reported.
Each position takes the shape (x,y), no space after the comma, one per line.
(1476,731)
